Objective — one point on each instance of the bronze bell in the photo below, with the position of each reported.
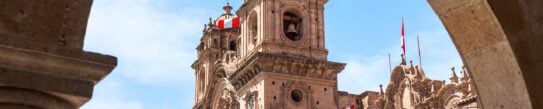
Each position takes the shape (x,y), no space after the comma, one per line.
(292,30)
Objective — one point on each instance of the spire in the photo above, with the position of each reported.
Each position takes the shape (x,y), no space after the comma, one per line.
(411,68)
(205,28)
(454,78)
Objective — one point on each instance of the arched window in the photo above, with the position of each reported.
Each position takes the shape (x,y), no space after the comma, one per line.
(292,25)
(253,27)
(215,43)
(201,82)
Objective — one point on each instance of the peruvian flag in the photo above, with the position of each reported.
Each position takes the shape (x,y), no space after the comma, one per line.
(403,39)
(348,107)
(231,22)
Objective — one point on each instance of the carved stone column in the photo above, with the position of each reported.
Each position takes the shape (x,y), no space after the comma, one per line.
(42,64)
(501,42)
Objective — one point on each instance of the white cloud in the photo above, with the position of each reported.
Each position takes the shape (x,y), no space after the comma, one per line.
(111,96)
(152,45)
(363,74)
(439,54)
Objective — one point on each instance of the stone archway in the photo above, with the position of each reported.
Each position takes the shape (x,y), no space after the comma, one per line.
(500,42)
(224,96)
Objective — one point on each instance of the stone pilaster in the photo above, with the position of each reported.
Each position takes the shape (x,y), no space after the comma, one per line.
(42,64)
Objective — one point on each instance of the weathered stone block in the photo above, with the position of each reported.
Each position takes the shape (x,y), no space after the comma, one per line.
(55,22)
(500,40)
(497,76)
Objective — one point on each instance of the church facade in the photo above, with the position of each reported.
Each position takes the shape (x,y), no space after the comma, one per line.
(271,54)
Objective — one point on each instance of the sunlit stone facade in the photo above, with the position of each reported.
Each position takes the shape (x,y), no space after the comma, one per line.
(277,59)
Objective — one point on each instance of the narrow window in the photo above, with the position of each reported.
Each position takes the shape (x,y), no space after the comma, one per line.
(232,45)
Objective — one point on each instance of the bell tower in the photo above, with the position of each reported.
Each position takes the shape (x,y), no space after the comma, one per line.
(282,57)
(269,55)
(293,27)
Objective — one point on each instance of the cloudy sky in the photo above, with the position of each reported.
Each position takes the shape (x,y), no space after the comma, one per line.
(155,40)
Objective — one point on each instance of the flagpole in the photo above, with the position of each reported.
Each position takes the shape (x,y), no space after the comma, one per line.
(403,38)
(418,46)
(389,63)
(403,43)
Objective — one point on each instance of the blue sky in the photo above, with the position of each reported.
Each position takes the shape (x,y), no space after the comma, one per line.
(154,42)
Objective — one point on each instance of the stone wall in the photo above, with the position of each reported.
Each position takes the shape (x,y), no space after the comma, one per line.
(500,42)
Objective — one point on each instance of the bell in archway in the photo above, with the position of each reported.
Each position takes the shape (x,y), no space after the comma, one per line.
(291,31)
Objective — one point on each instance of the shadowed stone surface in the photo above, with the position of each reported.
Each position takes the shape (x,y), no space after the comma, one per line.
(500,41)
(42,64)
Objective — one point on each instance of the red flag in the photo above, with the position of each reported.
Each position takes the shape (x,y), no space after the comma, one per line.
(403,39)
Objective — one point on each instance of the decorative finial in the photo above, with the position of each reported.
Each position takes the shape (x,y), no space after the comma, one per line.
(453,73)
(381,87)
(205,27)
(417,71)
(210,23)
(454,78)
(403,60)
(227,8)
(411,63)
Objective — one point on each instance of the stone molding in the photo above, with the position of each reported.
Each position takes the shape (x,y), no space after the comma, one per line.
(266,62)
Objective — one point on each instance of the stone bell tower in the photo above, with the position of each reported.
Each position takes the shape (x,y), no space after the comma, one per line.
(282,56)
(293,27)
(276,59)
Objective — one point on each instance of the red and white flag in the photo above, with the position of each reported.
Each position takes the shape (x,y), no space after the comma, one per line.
(231,22)
(403,39)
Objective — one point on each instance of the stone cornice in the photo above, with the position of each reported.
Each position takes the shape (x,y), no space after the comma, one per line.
(65,72)
(267,62)
(70,63)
